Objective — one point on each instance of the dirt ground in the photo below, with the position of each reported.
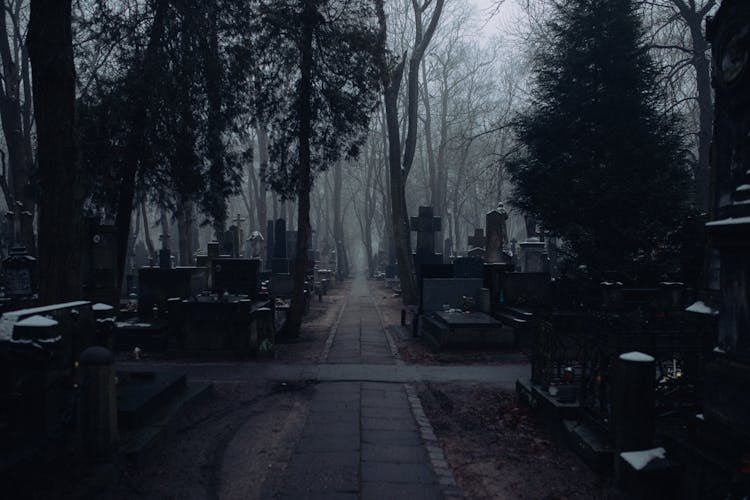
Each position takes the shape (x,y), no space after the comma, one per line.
(225,448)
(316,326)
(228,445)
(497,450)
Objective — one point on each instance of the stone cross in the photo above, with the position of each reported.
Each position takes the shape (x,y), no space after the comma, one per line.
(477,241)
(425,225)
(447,250)
(237,235)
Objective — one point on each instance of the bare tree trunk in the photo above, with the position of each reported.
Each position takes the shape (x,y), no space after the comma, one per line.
(17,133)
(50,44)
(164,223)
(702,67)
(309,19)
(399,168)
(147,233)
(185,229)
(262,188)
(139,82)
(338,223)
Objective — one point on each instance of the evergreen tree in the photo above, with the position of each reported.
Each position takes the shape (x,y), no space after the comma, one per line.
(603,162)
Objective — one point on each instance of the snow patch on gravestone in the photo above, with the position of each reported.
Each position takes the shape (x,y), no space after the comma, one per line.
(37,321)
(9,319)
(637,357)
(101,307)
(729,222)
(640,459)
(700,307)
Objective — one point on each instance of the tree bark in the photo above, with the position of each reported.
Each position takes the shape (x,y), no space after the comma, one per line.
(50,44)
(147,233)
(139,82)
(17,135)
(185,229)
(262,196)
(310,18)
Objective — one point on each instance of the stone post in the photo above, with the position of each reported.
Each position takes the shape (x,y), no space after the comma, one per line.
(634,400)
(98,403)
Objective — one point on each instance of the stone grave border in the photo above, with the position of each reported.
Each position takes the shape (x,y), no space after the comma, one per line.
(443,472)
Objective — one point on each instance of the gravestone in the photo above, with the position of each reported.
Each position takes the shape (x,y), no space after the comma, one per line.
(19,269)
(157,285)
(534,256)
(440,292)
(468,267)
(236,276)
(165,254)
(477,239)
(425,225)
(280,263)
(237,236)
(497,235)
(101,273)
(447,250)
(228,240)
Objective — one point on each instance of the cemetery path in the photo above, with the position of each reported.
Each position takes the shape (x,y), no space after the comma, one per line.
(349,427)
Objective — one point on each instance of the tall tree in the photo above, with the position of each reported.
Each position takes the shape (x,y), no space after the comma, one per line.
(15,113)
(603,163)
(392,74)
(317,87)
(60,204)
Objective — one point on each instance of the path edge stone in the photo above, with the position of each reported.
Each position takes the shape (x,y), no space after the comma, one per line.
(443,473)
(388,337)
(332,333)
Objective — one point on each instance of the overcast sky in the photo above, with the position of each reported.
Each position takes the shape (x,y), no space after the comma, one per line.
(504,18)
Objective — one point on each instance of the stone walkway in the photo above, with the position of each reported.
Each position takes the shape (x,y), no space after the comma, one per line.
(366,435)
(361,439)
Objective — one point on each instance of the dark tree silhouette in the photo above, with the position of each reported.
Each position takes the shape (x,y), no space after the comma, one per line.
(316,87)
(603,164)
(60,201)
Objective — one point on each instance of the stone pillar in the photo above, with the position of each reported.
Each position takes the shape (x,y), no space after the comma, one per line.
(634,400)
(497,235)
(98,403)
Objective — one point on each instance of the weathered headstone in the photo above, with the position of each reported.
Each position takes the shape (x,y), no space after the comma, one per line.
(280,261)
(534,256)
(425,225)
(165,254)
(19,269)
(236,276)
(101,273)
(497,235)
(237,236)
(477,239)
(447,250)
(468,267)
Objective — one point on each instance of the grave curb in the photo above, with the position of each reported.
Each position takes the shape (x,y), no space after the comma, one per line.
(445,479)
(332,334)
(388,337)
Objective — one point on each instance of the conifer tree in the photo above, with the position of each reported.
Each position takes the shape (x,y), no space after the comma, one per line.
(603,162)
